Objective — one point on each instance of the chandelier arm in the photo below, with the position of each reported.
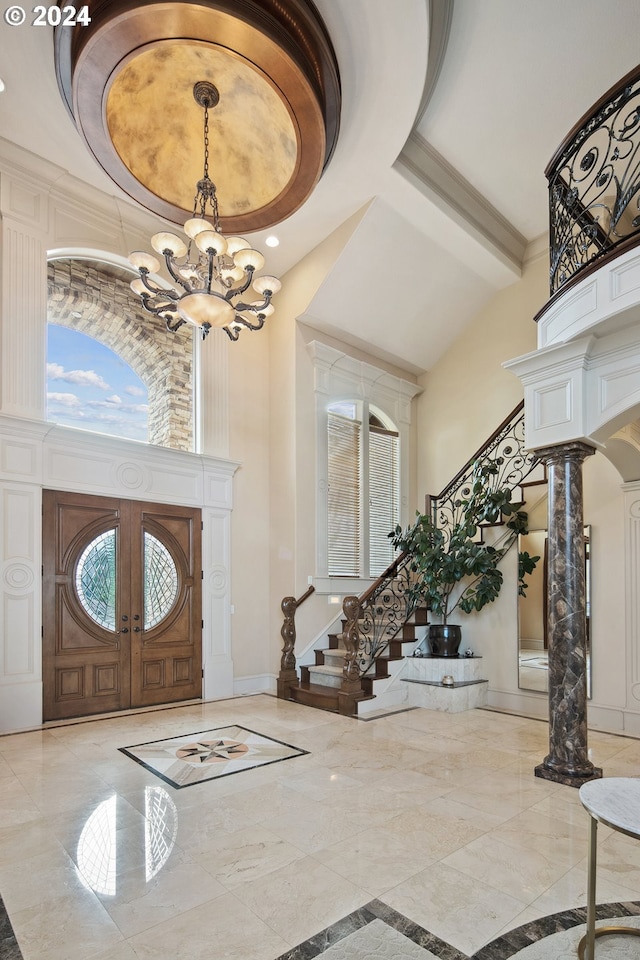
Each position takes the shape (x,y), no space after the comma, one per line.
(232,334)
(210,273)
(176,326)
(245,286)
(176,276)
(253,307)
(152,287)
(251,326)
(160,308)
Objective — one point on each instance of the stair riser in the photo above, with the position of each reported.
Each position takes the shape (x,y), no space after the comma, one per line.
(334,658)
(325,679)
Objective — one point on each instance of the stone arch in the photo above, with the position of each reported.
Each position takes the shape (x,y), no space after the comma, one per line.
(94,298)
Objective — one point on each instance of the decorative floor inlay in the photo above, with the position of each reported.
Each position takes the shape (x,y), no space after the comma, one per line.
(208,754)
(9,949)
(377,931)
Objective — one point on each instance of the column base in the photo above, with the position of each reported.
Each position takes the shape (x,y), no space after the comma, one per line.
(605,932)
(569,781)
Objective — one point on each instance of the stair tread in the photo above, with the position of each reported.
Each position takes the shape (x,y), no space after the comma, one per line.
(324,668)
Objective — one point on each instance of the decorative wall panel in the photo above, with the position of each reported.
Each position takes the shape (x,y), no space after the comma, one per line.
(19,460)
(216,602)
(605,301)
(552,405)
(20,582)
(18,630)
(625,278)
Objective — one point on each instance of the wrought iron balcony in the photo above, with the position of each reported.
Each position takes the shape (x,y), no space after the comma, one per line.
(594,186)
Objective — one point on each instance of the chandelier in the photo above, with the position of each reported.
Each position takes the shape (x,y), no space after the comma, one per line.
(210,273)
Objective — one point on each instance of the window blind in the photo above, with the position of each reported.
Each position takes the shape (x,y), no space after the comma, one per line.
(384,497)
(343,494)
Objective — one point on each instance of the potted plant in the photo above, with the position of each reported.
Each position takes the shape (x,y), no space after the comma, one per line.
(453,570)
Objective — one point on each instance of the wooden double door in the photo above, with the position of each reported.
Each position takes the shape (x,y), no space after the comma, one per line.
(122,601)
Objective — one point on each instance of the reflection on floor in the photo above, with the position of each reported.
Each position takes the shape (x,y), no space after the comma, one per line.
(435,817)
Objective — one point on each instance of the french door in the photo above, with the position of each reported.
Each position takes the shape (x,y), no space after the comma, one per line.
(122,599)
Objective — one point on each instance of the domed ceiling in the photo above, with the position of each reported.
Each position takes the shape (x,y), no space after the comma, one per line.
(127,80)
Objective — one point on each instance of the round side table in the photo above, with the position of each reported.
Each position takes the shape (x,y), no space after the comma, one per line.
(614,801)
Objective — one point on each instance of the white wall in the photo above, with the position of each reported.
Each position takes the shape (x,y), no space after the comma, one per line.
(466,395)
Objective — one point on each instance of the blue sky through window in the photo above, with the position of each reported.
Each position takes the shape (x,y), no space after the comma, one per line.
(90,386)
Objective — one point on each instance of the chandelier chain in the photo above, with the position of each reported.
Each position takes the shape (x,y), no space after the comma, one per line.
(206,142)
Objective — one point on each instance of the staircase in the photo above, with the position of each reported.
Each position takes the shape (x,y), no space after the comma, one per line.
(352,674)
(320,682)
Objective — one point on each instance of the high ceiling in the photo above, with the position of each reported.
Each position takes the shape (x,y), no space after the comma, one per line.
(451,111)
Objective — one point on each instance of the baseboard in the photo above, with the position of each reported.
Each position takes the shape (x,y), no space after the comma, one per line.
(20,706)
(523,703)
(260,683)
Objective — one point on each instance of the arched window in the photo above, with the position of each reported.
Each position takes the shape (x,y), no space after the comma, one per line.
(93,298)
(363,489)
(363,466)
(90,386)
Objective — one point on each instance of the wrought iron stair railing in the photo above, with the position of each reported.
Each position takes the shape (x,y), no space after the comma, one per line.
(505,450)
(377,617)
(594,186)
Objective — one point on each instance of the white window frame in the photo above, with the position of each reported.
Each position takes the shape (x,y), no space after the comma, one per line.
(362,500)
(340,377)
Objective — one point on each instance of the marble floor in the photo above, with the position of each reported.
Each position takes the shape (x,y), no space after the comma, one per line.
(434,817)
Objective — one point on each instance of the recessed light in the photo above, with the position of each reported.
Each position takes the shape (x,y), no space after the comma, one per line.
(2,87)
(272,241)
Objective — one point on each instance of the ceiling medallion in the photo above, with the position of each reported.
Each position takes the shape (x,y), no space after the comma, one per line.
(127,78)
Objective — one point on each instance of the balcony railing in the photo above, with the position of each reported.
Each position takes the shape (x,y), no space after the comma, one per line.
(594,185)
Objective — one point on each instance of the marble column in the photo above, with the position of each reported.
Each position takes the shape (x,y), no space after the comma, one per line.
(567,761)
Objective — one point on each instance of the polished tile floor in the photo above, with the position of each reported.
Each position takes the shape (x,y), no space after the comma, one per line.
(435,815)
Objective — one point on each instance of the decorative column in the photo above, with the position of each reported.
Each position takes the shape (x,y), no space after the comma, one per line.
(567,761)
(211,393)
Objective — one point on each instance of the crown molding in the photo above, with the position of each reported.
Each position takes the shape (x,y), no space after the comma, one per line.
(458,199)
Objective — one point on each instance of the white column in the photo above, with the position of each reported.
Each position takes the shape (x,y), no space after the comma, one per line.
(632,565)
(20,577)
(23,314)
(211,387)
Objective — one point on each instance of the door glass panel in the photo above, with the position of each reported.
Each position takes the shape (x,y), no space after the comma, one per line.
(96,580)
(160,581)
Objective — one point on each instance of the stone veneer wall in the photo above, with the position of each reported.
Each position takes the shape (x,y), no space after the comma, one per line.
(109,313)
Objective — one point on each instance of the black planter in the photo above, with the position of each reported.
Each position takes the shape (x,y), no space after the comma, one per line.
(444,639)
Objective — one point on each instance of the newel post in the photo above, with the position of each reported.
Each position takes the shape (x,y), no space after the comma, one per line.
(288,673)
(351,687)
